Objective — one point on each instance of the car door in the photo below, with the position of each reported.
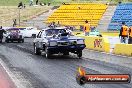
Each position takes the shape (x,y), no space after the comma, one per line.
(44,38)
(38,40)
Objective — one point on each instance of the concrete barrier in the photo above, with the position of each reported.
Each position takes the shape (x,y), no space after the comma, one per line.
(97,43)
(123,49)
(102,33)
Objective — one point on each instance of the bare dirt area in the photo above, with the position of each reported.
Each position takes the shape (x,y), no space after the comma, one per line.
(8,13)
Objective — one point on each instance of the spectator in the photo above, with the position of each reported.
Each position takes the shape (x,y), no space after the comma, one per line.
(1,34)
(24,6)
(81,28)
(41,4)
(86,28)
(119,2)
(37,2)
(44,3)
(20,5)
(63,3)
(79,7)
(130,36)
(124,33)
(14,23)
(93,28)
(107,3)
(31,3)
(52,25)
(49,4)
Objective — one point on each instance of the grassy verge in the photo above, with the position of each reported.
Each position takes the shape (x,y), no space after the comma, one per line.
(8,13)
(56,2)
(53,2)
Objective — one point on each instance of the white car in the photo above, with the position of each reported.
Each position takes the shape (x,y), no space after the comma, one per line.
(29,31)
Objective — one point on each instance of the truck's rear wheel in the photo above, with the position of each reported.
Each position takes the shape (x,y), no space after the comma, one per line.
(36,50)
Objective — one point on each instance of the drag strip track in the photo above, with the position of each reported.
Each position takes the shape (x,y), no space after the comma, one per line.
(58,72)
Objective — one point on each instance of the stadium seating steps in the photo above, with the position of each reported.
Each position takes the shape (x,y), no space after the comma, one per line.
(76,14)
(123,13)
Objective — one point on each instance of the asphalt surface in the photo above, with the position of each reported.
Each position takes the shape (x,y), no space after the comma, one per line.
(32,71)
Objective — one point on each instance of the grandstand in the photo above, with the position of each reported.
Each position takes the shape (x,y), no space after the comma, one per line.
(123,13)
(76,14)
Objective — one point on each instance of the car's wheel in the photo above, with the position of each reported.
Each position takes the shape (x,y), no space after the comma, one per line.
(79,54)
(19,41)
(66,53)
(36,50)
(0,40)
(22,40)
(7,40)
(47,53)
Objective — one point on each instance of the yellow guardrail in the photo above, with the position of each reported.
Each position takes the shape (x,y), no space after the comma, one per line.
(123,49)
(96,43)
(102,33)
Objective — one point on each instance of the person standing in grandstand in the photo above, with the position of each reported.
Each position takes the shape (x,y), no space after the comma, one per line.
(58,24)
(124,33)
(52,25)
(36,2)
(31,3)
(130,36)
(1,33)
(86,28)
